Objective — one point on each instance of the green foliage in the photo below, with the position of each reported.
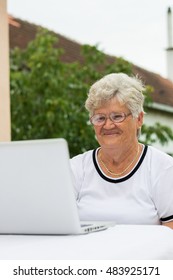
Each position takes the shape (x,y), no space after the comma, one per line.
(48,95)
(148,97)
(157,133)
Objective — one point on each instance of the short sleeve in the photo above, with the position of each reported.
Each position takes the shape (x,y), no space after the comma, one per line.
(163,194)
(77,173)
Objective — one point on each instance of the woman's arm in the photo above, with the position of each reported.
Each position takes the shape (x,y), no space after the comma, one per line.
(168,224)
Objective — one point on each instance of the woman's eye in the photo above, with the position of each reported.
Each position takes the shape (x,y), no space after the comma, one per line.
(101,118)
(117,117)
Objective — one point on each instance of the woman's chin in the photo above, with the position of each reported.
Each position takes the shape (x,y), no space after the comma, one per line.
(110,140)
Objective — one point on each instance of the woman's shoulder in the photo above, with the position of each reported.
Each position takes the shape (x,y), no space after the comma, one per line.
(80,158)
(158,157)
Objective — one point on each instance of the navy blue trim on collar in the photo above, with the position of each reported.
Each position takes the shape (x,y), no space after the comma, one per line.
(114,180)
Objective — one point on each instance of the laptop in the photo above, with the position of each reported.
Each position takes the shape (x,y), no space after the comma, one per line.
(36,190)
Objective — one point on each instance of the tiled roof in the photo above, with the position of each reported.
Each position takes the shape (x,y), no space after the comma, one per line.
(23,32)
(20,36)
(163,88)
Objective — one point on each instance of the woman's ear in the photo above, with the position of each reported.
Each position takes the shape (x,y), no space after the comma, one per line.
(140,119)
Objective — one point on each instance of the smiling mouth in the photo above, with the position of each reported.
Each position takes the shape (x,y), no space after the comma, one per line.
(110,132)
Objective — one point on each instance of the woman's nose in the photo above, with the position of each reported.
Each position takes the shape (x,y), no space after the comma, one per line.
(109,123)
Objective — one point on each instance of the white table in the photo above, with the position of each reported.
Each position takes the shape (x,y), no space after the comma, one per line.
(121,242)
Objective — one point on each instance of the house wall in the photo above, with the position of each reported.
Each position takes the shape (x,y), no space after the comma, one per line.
(164,118)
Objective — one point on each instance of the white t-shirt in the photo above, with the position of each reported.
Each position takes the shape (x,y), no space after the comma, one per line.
(144,196)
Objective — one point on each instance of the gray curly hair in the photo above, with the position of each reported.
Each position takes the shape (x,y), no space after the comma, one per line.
(128,90)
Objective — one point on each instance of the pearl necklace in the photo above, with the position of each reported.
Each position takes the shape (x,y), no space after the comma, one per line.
(118,174)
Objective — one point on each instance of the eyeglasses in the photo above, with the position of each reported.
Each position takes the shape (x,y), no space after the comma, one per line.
(100,119)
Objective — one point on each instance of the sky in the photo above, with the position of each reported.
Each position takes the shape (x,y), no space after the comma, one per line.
(133,29)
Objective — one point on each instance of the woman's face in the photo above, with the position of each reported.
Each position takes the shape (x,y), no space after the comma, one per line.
(113,134)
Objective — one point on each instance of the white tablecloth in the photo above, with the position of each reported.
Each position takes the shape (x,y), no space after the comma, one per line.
(120,242)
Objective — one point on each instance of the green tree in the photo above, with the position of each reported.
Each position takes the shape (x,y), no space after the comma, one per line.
(48,95)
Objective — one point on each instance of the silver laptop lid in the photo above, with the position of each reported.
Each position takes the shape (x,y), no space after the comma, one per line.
(36,192)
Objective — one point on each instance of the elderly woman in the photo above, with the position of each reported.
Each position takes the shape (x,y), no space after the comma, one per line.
(122,180)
